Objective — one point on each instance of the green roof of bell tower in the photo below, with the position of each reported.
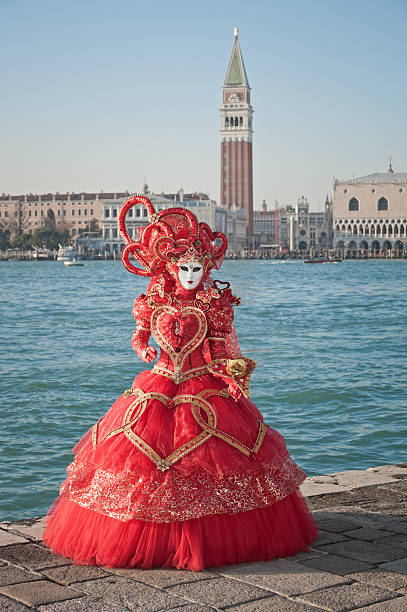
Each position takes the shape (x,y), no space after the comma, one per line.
(236,73)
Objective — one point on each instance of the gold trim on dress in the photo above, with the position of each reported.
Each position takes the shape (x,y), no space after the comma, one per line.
(178,358)
(180,378)
(198,403)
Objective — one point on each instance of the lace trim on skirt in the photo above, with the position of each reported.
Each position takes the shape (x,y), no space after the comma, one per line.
(174,497)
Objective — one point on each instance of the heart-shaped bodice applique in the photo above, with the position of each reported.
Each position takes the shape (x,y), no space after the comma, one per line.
(178,331)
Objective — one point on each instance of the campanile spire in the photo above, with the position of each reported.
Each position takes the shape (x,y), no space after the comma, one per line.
(236,135)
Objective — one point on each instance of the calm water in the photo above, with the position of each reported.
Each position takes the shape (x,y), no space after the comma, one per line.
(329,340)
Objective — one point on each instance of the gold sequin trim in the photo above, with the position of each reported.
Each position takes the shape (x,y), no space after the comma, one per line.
(180,378)
(206,426)
(179,358)
(129,495)
(137,408)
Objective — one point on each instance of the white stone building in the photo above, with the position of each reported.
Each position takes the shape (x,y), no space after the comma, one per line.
(370,213)
(294,228)
(205,209)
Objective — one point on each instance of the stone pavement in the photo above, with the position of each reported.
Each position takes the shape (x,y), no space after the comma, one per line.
(358,563)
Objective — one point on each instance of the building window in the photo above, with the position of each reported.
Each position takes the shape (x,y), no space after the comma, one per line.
(114,232)
(59,212)
(73,212)
(401,190)
(29,213)
(107,234)
(79,212)
(227,122)
(91,212)
(35,213)
(240,121)
(64,212)
(345,191)
(145,212)
(114,211)
(383,204)
(130,212)
(85,212)
(107,213)
(373,190)
(137,212)
(353,204)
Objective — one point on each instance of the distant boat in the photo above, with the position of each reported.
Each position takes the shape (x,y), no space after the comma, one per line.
(42,254)
(73,262)
(321,260)
(68,253)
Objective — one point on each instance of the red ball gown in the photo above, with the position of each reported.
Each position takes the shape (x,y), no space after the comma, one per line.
(178,472)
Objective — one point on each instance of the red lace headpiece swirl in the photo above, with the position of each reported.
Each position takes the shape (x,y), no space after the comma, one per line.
(171,237)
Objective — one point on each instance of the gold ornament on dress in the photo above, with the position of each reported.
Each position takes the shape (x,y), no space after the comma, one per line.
(236,367)
(178,358)
(237,370)
(198,403)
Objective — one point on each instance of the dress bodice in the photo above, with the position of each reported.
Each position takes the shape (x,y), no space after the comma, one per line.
(180,327)
(180,331)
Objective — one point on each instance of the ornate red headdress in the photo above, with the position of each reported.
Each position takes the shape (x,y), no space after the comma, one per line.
(171,237)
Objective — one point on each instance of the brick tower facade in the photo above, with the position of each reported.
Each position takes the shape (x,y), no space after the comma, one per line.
(236,135)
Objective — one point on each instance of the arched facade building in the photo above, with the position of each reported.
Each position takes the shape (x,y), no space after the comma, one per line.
(370,213)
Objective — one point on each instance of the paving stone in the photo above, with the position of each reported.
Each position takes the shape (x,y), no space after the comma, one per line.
(9,574)
(219,592)
(396,469)
(337,525)
(392,605)
(7,538)
(337,565)
(346,597)
(163,578)
(32,556)
(395,525)
(130,594)
(311,489)
(368,534)
(382,578)
(396,566)
(11,605)
(190,607)
(68,574)
(326,537)
(84,604)
(275,604)
(398,540)
(365,551)
(306,554)
(39,592)
(31,528)
(283,577)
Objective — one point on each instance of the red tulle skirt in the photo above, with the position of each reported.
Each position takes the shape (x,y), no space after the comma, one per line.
(219,499)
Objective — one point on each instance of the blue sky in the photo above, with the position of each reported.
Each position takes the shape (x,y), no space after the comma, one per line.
(97,94)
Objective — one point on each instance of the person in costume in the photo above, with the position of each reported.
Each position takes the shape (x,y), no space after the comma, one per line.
(182,471)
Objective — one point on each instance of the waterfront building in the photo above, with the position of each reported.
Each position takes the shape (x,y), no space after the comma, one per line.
(293,228)
(69,211)
(200,204)
(370,213)
(236,137)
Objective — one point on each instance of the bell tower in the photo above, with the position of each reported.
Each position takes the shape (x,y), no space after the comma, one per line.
(236,136)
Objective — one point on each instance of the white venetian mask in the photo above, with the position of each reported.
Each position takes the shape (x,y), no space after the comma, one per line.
(190,274)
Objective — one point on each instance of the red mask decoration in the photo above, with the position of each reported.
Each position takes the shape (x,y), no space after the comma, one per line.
(173,236)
